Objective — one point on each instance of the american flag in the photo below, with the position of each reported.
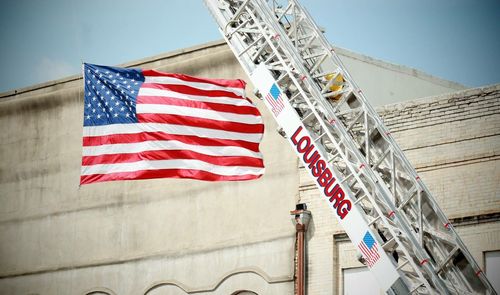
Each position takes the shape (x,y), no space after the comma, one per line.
(368,247)
(275,99)
(141,124)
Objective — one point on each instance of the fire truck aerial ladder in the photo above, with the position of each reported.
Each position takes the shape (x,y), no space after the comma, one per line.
(387,211)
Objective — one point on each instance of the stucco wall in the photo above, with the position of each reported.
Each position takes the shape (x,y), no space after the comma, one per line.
(385,83)
(128,236)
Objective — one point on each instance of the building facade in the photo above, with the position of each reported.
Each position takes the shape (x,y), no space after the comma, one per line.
(453,141)
(174,236)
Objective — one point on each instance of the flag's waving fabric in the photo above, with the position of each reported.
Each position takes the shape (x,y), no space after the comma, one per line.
(141,124)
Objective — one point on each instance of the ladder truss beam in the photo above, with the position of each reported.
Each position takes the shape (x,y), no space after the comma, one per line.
(426,250)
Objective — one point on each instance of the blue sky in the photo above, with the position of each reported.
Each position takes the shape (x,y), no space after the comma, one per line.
(458,40)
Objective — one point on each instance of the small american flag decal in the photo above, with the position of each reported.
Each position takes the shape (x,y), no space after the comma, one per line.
(275,99)
(368,247)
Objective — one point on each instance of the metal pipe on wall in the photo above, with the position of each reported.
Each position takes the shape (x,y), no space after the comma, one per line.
(301,218)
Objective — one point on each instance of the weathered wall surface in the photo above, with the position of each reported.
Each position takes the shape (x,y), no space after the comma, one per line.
(129,236)
(454,143)
(160,236)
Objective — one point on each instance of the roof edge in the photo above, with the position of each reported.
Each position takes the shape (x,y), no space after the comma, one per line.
(423,100)
(399,68)
(341,51)
(135,63)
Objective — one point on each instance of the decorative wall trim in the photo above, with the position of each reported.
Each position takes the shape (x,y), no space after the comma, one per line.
(192,290)
(99,291)
(149,256)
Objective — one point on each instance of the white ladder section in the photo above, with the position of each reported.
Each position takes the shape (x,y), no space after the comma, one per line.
(385,208)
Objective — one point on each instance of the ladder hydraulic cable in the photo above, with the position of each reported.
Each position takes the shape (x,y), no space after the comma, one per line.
(288,58)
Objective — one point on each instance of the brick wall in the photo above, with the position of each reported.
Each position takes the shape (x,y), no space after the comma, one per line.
(454,143)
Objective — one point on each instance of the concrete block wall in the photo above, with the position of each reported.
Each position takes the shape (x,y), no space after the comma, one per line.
(453,141)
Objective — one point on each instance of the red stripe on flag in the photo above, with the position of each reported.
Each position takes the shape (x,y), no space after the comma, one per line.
(270,100)
(170,155)
(220,82)
(371,255)
(164,173)
(200,122)
(277,106)
(242,110)
(183,89)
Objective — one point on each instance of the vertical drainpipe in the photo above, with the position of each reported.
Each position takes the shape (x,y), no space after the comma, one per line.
(301,218)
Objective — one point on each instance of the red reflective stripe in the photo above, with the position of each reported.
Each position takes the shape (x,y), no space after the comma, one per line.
(424,261)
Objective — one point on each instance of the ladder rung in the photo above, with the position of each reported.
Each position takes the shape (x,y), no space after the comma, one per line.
(295,96)
(307,116)
(299,38)
(375,166)
(442,265)
(412,193)
(403,264)
(279,17)
(238,12)
(258,53)
(250,46)
(319,137)
(346,178)
(374,220)
(319,75)
(237,29)
(354,121)
(318,63)
(334,93)
(389,244)
(360,199)
(313,55)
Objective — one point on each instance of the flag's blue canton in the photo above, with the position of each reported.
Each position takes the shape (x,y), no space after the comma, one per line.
(368,240)
(275,92)
(110,95)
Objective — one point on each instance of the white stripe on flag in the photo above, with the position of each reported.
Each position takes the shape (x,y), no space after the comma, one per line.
(145,91)
(199,85)
(170,164)
(277,105)
(200,113)
(371,255)
(271,101)
(171,129)
(159,145)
